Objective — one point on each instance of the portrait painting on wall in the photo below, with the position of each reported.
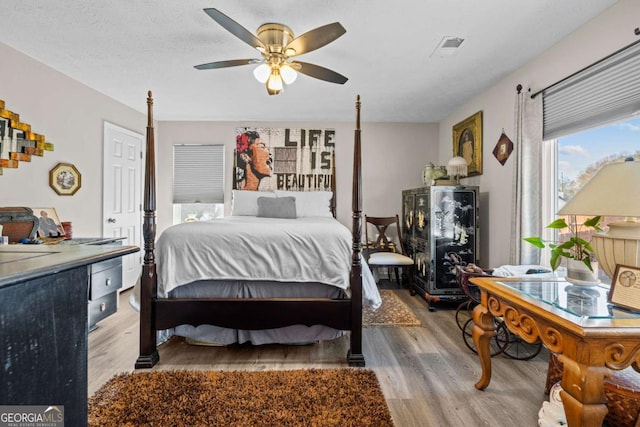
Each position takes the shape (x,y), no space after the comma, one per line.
(467,142)
(284,159)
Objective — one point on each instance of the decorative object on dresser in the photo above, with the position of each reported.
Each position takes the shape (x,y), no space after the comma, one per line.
(18,223)
(457,168)
(49,224)
(17,141)
(440,231)
(467,142)
(503,148)
(431,173)
(65,179)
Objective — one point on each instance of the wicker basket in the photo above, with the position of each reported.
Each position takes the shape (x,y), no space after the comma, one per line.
(622,390)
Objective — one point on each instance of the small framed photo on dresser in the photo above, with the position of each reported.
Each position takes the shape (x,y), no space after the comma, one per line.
(49,224)
(625,287)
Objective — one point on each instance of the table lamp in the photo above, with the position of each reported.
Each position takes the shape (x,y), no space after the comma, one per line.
(613,191)
(456,168)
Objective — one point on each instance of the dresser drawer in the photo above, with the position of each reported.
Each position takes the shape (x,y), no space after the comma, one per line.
(105,281)
(101,308)
(105,265)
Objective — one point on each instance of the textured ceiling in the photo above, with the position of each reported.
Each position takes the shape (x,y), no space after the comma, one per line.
(122,48)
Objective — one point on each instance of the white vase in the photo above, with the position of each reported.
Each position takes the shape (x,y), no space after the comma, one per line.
(580,275)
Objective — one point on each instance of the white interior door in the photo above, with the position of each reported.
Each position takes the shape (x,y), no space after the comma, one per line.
(122,183)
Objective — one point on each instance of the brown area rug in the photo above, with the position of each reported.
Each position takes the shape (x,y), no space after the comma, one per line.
(315,397)
(392,312)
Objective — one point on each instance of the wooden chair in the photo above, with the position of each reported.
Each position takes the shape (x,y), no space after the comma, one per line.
(384,252)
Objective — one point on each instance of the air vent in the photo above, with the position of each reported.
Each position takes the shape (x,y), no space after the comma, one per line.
(448,46)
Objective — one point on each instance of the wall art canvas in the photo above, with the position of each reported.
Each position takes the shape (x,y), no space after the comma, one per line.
(284,159)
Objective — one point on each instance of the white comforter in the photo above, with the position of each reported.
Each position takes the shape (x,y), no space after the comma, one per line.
(309,249)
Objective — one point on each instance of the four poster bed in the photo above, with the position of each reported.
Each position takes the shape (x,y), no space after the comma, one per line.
(260,276)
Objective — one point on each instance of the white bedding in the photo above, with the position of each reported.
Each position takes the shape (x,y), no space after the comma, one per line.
(309,249)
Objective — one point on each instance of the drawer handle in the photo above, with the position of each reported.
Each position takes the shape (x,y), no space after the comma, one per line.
(103,307)
(108,281)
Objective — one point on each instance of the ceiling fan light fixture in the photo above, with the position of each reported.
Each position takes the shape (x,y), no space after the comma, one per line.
(275,82)
(262,73)
(289,75)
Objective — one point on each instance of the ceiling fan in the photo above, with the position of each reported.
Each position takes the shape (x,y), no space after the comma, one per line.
(278,45)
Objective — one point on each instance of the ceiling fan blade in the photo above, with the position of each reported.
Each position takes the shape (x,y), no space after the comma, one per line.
(316,38)
(225,64)
(319,72)
(234,28)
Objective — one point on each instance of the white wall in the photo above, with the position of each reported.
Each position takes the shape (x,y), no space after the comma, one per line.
(393,157)
(605,34)
(71,116)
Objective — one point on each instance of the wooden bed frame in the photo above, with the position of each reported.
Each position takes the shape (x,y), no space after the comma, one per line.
(251,313)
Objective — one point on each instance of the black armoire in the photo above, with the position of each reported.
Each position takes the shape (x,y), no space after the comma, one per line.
(440,231)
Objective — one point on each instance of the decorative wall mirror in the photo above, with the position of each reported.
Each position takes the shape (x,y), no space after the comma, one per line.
(17,142)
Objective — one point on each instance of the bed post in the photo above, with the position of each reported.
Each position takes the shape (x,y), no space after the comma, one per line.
(334,199)
(148,283)
(355,356)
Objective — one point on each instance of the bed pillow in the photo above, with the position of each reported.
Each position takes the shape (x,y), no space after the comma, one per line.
(245,202)
(280,207)
(310,203)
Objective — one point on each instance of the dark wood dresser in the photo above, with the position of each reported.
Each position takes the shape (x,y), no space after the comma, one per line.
(44,324)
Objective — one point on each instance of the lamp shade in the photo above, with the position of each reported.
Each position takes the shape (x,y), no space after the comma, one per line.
(262,73)
(613,191)
(457,167)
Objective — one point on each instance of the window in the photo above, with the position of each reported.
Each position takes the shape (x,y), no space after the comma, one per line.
(198,182)
(578,157)
(590,119)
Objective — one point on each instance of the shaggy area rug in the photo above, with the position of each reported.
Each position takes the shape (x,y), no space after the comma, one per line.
(392,312)
(314,397)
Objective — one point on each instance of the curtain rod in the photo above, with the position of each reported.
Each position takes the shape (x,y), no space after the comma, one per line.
(636,31)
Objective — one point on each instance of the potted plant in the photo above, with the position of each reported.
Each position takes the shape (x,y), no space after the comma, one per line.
(582,267)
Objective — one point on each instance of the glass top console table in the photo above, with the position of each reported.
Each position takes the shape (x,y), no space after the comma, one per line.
(576,322)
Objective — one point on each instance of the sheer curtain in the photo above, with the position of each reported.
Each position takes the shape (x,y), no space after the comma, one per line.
(527,174)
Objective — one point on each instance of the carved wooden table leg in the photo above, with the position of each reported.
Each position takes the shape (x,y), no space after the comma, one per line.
(583,393)
(483,330)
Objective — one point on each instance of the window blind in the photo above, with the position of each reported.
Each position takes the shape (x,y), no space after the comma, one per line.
(604,92)
(198,173)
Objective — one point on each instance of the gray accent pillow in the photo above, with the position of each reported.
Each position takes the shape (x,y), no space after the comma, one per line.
(277,207)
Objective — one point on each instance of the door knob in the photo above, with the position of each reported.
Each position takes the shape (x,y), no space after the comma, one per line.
(111,220)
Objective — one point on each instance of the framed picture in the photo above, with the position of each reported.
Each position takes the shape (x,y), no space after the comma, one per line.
(625,287)
(503,149)
(65,179)
(48,222)
(467,142)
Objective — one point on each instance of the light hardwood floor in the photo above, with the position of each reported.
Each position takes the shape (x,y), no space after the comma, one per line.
(427,374)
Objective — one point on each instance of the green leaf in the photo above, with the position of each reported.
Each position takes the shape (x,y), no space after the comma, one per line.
(535,241)
(587,262)
(593,222)
(558,224)
(555,261)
